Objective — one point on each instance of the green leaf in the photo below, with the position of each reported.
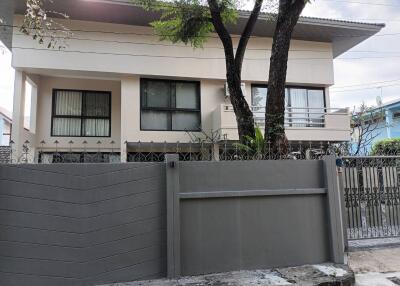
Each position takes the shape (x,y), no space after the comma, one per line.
(187,21)
(242,147)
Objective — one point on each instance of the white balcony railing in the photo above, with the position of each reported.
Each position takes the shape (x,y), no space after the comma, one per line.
(297,116)
(332,124)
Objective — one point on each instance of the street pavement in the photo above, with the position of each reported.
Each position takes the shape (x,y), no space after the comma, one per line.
(376,266)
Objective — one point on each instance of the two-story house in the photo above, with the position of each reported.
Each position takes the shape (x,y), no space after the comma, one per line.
(116,84)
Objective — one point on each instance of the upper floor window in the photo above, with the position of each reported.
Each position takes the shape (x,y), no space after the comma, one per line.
(78,113)
(304,106)
(170,105)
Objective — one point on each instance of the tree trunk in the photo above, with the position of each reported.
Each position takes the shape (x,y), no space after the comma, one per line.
(289,13)
(243,113)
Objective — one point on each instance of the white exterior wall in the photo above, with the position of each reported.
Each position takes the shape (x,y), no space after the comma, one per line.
(310,63)
(212,94)
(92,63)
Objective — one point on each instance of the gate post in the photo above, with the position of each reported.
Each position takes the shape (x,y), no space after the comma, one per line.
(173,217)
(343,208)
(334,209)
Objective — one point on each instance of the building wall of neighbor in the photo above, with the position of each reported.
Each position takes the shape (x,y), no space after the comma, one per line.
(381,132)
(387,128)
(5,130)
(134,50)
(395,130)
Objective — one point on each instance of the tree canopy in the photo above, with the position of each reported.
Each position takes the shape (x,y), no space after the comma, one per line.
(386,147)
(187,21)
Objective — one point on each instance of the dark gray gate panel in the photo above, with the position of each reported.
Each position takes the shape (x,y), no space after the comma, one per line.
(225,216)
(82,224)
(220,235)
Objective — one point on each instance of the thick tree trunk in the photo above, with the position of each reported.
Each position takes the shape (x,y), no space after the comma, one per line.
(289,13)
(243,113)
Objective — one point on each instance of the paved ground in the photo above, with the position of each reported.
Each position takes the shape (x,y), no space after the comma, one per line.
(365,244)
(376,266)
(378,279)
(311,275)
(375,260)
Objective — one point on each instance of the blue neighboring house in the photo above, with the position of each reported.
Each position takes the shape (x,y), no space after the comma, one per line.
(388,128)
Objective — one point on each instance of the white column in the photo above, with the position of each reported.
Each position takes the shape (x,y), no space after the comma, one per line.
(130,112)
(327,98)
(123,153)
(18,113)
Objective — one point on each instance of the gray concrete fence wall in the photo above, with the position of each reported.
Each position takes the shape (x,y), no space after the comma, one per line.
(88,224)
(81,224)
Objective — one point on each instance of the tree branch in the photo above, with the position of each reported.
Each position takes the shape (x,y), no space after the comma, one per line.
(244,39)
(221,30)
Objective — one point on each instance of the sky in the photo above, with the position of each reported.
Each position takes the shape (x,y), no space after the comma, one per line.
(374,72)
(363,72)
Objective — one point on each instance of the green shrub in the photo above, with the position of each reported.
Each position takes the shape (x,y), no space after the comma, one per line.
(254,147)
(387,147)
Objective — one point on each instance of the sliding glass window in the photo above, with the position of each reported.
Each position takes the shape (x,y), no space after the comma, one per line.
(78,113)
(170,105)
(305,107)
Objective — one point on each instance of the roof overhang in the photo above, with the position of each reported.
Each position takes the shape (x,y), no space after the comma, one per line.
(344,35)
(393,105)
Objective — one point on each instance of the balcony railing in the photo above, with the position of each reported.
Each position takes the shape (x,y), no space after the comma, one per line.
(301,124)
(298,116)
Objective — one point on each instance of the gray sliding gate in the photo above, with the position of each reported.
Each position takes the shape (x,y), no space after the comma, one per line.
(88,224)
(372,196)
(226,216)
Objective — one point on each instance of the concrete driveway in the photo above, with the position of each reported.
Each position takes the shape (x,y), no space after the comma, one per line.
(376,267)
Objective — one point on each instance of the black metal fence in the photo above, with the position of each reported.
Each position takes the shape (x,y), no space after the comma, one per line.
(5,153)
(156,152)
(372,196)
(108,152)
(227,151)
